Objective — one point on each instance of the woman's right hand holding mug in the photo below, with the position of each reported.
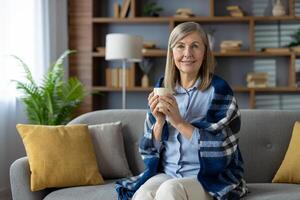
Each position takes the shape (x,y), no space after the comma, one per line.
(153,101)
(160,117)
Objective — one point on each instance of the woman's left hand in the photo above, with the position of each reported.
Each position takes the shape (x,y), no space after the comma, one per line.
(170,109)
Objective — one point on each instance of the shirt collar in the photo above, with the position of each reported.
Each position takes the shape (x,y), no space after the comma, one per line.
(180,89)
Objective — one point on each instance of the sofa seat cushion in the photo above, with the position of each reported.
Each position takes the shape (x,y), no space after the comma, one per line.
(273,191)
(95,192)
(258,191)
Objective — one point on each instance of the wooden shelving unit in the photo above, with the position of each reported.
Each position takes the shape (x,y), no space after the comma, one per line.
(87,31)
(115,89)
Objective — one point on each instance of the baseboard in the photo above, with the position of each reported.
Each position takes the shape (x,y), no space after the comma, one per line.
(5,194)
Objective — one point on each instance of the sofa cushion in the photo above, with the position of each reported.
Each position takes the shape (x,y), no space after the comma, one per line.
(60,156)
(109,148)
(289,170)
(258,191)
(264,139)
(106,191)
(273,191)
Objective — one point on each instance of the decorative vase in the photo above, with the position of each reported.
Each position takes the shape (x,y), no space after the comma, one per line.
(145,81)
(211,41)
(278,8)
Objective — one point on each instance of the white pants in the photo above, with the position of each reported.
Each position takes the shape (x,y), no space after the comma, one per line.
(164,187)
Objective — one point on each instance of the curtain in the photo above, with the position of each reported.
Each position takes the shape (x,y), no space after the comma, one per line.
(28,31)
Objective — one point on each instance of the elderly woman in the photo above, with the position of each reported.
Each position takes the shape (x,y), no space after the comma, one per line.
(190,144)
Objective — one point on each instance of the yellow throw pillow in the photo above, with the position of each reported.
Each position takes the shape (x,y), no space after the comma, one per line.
(60,156)
(289,171)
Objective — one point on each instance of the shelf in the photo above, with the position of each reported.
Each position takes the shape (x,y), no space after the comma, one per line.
(162,53)
(196,19)
(250,54)
(131,20)
(88,30)
(235,88)
(148,53)
(272,18)
(115,89)
(267,89)
(277,89)
(213,19)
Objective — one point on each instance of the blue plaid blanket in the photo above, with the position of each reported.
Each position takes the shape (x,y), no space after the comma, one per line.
(221,164)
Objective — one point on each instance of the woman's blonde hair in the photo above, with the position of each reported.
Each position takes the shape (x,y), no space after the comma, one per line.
(208,64)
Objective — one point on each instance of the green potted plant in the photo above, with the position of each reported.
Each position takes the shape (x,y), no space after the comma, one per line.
(151,9)
(296,39)
(53,101)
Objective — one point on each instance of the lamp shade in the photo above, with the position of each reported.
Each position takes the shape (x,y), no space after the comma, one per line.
(121,46)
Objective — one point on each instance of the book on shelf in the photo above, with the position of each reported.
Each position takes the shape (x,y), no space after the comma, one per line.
(276,50)
(257,76)
(100,50)
(259,80)
(114,77)
(129,77)
(152,51)
(232,8)
(149,45)
(230,49)
(125,8)
(230,45)
(108,77)
(256,85)
(235,11)
(116,9)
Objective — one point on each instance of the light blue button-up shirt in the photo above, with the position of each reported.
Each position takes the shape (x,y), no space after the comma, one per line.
(180,155)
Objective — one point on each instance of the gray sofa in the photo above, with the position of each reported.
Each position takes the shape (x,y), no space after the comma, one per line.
(264,138)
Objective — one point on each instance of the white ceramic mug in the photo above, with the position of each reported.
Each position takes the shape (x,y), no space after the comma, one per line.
(161,92)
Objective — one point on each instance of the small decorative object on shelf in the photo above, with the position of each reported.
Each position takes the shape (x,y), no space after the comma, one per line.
(296,49)
(151,9)
(211,38)
(278,9)
(295,44)
(257,80)
(101,50)
(298,79)
(125,8)
(230,45)
(276,50)
(184,12)
(146,66)
(149,45)
(116,9)
(235,11)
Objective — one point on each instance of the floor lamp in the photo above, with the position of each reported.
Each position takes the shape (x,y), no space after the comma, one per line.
(124,47)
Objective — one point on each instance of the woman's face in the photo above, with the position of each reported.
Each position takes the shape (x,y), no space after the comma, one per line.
(188,54)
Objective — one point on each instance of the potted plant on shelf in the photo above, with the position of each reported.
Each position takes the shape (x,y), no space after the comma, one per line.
(53,101)
(295,43)
(151,9)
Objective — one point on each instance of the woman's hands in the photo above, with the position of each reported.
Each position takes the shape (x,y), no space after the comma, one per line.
(160,117)
(170,108)
(153,101)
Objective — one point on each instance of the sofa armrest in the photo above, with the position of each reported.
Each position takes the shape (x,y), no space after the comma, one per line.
(20,181)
